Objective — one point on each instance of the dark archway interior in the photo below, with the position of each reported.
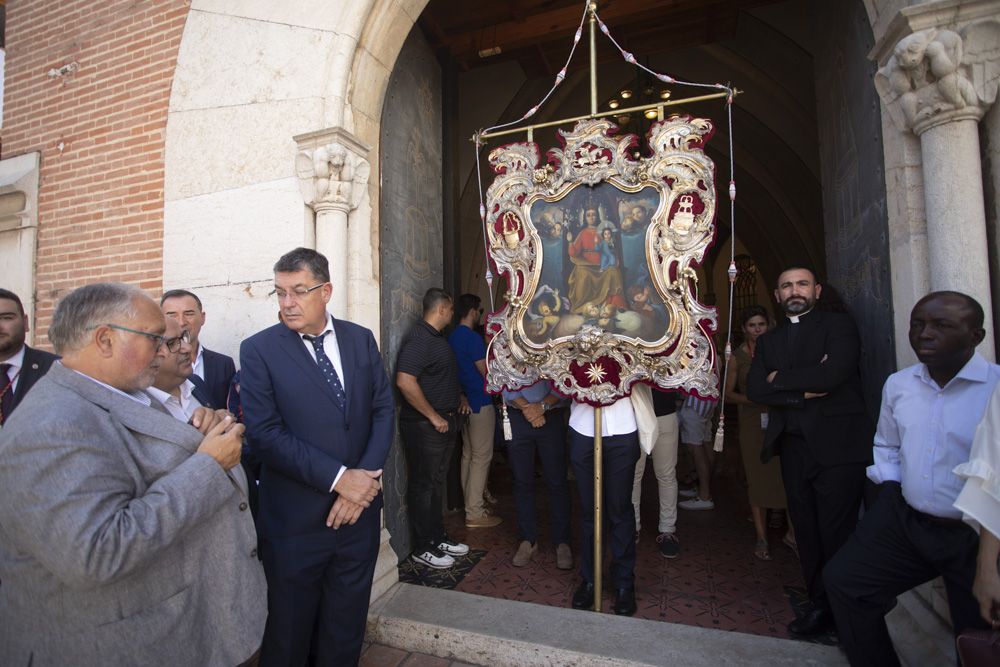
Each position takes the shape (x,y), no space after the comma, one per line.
(500,59)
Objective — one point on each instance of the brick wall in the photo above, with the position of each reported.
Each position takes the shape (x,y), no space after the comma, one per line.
(100,130)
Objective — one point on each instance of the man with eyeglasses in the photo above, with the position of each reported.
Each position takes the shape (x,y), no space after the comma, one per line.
(173,387)
(123,534)
(319,415)
(214,368)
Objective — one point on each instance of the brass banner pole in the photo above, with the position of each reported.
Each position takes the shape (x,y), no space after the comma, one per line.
(598,464)
(593,58)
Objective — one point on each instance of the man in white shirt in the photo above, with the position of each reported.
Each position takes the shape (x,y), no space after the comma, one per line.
(173,388)
(913,533)
(620,452)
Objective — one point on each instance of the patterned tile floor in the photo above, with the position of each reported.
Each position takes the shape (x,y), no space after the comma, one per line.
(715,582)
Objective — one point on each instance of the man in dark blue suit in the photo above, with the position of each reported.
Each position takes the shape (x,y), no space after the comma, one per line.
(215,368)
(20,366)
(320,418)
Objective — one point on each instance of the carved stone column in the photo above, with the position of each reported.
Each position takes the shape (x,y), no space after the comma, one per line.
(927,86)
(333,168)
(333,175)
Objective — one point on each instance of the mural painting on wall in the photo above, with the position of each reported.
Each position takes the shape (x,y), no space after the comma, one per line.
(598,248)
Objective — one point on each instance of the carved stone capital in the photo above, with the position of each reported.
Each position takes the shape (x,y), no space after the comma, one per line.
(940,76)
(940,63)
(332,168)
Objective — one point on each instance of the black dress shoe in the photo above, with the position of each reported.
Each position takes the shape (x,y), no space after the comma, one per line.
(814,622)
(583,598)
(625,601)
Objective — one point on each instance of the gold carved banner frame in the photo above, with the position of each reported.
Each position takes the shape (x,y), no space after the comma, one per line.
(607,322)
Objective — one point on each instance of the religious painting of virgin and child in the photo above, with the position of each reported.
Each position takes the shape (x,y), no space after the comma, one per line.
(594,269)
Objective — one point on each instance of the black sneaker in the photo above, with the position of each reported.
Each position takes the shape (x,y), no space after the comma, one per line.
(668,545)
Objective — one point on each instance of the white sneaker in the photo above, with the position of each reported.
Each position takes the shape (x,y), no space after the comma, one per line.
(434,558)
(453,548)
(696,504)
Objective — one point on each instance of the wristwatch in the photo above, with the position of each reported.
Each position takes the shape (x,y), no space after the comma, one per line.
(545,406)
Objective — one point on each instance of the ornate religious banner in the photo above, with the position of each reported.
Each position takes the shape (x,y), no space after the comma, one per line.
(598,247)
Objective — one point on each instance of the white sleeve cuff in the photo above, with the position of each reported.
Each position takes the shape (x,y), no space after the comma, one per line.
(978,507)
(883,472)
(336,479)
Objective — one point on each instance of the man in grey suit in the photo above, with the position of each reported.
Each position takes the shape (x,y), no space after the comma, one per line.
(124,533)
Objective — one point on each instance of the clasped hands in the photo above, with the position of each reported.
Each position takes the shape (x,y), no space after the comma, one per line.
(535,414)
(356,489)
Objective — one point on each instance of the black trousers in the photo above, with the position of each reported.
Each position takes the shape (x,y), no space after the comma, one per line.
(823,504)
(428,455)
(620,454)
(549,440)
(318,585)
(894,549)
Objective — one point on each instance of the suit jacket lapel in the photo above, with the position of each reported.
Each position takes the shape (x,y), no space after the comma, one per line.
(28,376)
(291,343)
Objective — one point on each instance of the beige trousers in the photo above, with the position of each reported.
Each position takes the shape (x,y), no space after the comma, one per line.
(664,457)
(477,453)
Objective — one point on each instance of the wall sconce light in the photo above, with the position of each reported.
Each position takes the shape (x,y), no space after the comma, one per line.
(650,113)
(626,94)
(614,103)
(664,94)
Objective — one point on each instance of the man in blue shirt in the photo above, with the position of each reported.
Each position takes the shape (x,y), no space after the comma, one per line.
(477,434)
(913,533)
(538,426)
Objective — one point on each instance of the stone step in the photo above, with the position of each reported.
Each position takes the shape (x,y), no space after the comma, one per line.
(505,633)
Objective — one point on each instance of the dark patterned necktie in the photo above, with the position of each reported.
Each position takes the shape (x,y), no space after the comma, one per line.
(7,387)
(326,366)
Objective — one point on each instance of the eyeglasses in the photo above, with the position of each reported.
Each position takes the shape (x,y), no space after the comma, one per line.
(174,344)
(295,294)
(157,339)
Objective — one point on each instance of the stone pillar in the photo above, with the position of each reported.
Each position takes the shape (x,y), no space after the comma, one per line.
(333,169)
(928,87)
(956,213)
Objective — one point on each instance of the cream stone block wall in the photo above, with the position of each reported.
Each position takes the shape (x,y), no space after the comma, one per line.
(215,149)
(222,246)
(255,61)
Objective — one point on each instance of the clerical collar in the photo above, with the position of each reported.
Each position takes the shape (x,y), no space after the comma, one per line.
(794,319)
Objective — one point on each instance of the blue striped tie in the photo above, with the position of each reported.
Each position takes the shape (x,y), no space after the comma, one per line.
(325,365)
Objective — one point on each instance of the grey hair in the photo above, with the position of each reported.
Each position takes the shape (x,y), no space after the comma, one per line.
(88,307)
(304,259)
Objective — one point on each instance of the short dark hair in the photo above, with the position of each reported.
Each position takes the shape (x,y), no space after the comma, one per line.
(977,318)
(801,267)
(304,259)
(433,297)
(175,293)
(751,312)
(7,294)
(467,302)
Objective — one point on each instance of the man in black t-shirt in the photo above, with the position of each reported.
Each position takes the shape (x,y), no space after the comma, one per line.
(429,419)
